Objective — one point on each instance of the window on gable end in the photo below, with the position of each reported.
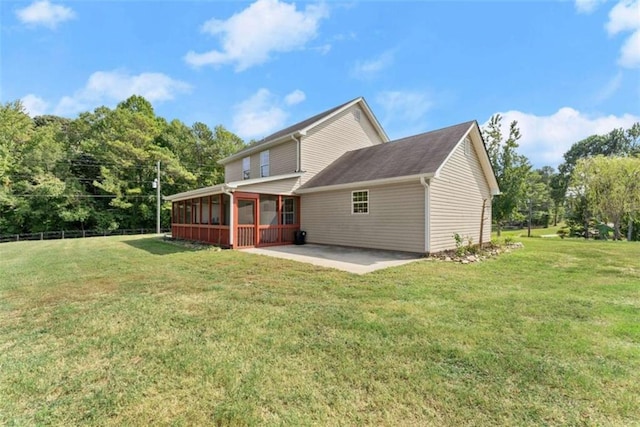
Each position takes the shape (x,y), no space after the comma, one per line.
(360,202)
(246,168)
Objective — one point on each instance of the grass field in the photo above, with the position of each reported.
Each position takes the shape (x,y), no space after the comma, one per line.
(136,331)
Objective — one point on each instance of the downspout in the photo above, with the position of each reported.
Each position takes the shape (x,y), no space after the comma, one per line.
(427,214)
(225,190)
(297,140)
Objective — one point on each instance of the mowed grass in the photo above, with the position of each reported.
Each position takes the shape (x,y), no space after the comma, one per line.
(137,331)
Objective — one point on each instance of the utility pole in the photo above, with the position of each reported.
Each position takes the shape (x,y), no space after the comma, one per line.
(158,202)
(530,214)
(156,185)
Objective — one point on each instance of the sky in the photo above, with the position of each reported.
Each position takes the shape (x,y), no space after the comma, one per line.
(563,69)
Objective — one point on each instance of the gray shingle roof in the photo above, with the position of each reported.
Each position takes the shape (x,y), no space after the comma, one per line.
(414,155)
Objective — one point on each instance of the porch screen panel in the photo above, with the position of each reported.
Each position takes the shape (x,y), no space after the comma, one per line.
(215,210)
(289,211)
(180,212)
(226,208)
(187,216)
(205,210)
(268,210)
(196,211)
(246,212)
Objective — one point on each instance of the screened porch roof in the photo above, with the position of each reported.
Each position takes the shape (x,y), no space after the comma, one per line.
(227,187)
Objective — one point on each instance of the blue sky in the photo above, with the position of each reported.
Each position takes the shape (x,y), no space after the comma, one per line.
(564,70)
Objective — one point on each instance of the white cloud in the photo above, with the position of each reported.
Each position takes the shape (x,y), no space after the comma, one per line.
(249,37)
(610,88)
(34,105)
(404,105)
(624,17)
(371,67)
(323,49)
(295,97)
(45,13)
(587,6)
(258,116)
(545,139)
(630,52)
(116,86)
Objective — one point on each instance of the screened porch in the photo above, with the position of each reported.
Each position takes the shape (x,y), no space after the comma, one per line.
(237,221)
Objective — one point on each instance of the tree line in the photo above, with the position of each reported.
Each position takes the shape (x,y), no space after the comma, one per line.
(597,184)
(96,171)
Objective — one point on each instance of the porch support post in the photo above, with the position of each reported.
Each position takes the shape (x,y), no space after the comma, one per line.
(279,215)
(256,222)
(232,228)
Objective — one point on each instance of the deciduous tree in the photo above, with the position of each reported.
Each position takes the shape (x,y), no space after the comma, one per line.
(610,186)
(511,169)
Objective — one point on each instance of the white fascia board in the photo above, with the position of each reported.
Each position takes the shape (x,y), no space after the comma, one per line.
(205,191)
(261,147)
(325,118)
(451,153)
(367,110)
(481,151)
(374,182)
(303,132)
(485,162)
(235,184)
(374,121)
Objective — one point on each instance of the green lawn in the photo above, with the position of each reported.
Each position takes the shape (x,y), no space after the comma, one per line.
(535,232)
(136,331)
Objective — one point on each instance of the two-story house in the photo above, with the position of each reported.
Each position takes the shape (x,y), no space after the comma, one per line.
(338,177)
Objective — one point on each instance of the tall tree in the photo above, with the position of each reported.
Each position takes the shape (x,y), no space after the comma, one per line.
(558,193)
(96,171)
(618,142)
(537,203)
(610,186)
(511,169)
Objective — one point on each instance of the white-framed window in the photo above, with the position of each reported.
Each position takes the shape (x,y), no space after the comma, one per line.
(264,164)
(246,168)
(289,211)
(360,202)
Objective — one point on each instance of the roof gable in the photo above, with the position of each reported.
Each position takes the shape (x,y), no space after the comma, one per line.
(422,154)
(302,127)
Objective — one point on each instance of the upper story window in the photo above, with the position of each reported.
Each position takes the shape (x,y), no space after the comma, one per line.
(264,163)
(360,202)
(246,168)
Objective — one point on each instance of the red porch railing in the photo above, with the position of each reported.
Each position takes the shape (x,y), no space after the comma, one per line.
(270,235)
(214,234)
(246,236)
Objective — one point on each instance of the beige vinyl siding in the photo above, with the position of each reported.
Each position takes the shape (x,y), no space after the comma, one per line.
(331,139)
(395,220)
(282,160)
(233,171)
(283,186)
(456,201)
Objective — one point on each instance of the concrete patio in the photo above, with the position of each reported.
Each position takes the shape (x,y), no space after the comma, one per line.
(352,260)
